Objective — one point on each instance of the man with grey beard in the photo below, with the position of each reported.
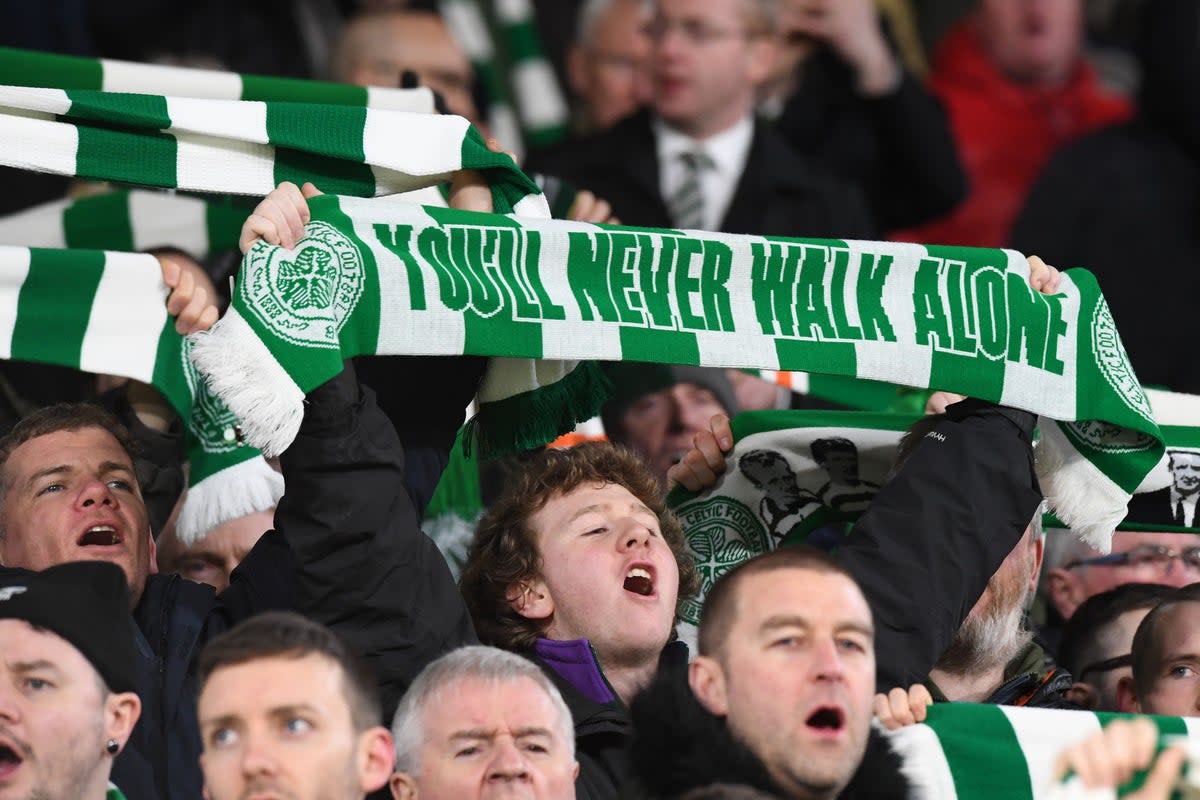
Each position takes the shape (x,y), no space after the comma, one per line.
(993,658)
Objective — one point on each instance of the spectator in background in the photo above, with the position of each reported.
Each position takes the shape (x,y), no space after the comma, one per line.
(607,62)
(212,559)
(376,49)
(698,159)
(67,699)
(1127,195)
(1016,87)
(1166,659)
(287,710)
(1098,639)
(483,722)
(841,97)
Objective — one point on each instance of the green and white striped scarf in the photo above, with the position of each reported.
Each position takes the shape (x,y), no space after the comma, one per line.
(386,278)
(33,68)
(106,313)
(501,39)
(128,220)
(984,752)
(248,147)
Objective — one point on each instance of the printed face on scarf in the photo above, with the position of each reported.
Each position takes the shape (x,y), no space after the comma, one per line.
(56,717)
(282,727)
(708,58)
(1033,41)
(73,496)
(1175,679)
(489,739)
(1185,472)
(795,677)
(607,574)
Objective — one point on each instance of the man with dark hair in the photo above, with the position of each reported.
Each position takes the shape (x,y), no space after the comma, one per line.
(287,709)
(67,700)
(1097,641)
(781,694)
(844,491)
(1166,659)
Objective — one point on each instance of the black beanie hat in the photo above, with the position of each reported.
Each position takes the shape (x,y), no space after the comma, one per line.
(632,380)
(84,602)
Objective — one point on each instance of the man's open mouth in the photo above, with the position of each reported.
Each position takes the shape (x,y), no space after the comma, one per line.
(639,580)
(827,719)
(10,759)
(99,536)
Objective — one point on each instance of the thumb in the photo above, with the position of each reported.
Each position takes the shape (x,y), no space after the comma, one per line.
(1161,780)
(170,271)
(309,191)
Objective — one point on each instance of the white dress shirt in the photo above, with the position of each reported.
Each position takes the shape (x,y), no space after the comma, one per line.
(1189,505)
(728,150)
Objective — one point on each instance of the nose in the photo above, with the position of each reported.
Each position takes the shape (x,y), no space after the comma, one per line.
(256,759)
(827,661)
(9,711)
(96,492)
(1178,575)
(508,764)
(636,535)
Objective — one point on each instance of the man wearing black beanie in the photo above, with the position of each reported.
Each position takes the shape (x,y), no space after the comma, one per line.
(67,704)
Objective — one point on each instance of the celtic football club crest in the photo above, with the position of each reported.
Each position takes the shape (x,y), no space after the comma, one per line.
(721,533)
(213,425)
(305,296)
(1113,361)
(1106,437)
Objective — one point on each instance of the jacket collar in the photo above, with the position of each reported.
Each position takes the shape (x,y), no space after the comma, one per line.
(575,662)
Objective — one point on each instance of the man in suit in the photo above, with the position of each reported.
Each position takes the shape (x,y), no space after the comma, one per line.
(698,159)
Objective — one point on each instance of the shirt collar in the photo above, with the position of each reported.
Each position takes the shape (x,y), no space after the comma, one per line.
(728,149)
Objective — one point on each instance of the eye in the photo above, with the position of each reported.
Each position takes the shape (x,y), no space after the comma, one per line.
(222,737)
(786,641)
(466,752)
(38,684)
(193,569)
(602,529)
(1181,671)
(297,726)
(537,748)
(851,645)
(123,485)
(51,488)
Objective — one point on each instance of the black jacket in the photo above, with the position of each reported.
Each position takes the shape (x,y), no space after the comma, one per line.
(1127,198)
(679,746)
(780,193)
(343,562)
(897,148)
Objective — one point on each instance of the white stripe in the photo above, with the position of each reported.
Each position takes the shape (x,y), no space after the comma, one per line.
(512,11)
(127,76)
(901,361)
(45,101)
(1030,387)
(417,101)
(40,145)
(160,220)
(14,268)
(40,226)
(244,120)
(537,93)
(924,763)
(505,129)
(204,163)
(415,144)
(1042,734)
(468,28)
(128,314)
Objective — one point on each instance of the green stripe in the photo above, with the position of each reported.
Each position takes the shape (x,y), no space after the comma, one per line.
(328,157)
(970,740)
(360,334)
(223,224)
(666,347)
(261,87)
(808,356)
(127,110)
(523,42)
(954,372)
(54,305)
(499,336)
(99,223)
(143,158)
(168,369)
(31,68)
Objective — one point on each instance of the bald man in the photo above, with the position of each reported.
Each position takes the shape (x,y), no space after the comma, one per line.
(374,49)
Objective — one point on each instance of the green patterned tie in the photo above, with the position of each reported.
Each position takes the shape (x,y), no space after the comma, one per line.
(687,203)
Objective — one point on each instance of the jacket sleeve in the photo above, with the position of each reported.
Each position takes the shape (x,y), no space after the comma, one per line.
(359,562)
(934,535)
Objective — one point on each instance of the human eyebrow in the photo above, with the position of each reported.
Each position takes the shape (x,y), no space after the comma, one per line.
(35,478)
(293,709)
(532,730)
(223,721)
(1175,658)
(857,627)
(473,734)
(109,467)
(594,508)
(784,621)
(39,665)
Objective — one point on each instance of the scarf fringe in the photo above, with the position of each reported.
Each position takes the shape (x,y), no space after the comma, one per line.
(1078,493)
(242,372)
(226,495)
(531,419)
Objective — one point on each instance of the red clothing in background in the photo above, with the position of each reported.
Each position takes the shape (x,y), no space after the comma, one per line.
(1006,132)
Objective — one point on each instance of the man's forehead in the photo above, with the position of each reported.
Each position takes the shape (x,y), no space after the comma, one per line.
(1127,540)
(22,642)
(801,594)
(472,704)
(274,682)
(89,442)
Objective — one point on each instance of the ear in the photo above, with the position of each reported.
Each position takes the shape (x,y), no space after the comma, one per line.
(403,786)
(707,680)
(1039,550)
(1127,701)
(1064,591)
(531,599)
(1083,695)
(376,758)
(121,711)
(577,70)
(153,554)
(762,55)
